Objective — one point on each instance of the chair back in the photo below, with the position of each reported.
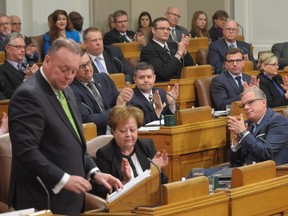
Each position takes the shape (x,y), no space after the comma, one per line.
(203,87)
(90,130)
(130,50)
(96,143)
(5,169)
(118,79)
(248,66)
(2,57)
(195,72)
(202,56)
(192,115)
(240,38)
(197,43)
(39,43)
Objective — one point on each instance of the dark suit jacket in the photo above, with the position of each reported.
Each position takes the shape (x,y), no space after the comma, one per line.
(271,135)
(114,36)
(215,33)
(179,31)
(224,90)
(218,49)
(166,67)
(109,158)
(142,103)
(274,98)
(45,144)
(13,77)
(281,51)
(111,54)
(88,107)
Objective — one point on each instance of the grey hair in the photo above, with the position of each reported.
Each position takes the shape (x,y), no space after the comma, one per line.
(12,36)
(69,44)
(256,90)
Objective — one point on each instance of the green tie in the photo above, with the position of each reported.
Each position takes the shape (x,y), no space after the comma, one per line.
(65,106)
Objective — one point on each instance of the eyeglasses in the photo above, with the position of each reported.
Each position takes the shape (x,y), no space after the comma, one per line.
(274,65)
(176,15)
(250,102)
(7,23)
(16,23)
(237,61)
(121,21)
(84,66)
(17,46)
(231,29)
(162,29)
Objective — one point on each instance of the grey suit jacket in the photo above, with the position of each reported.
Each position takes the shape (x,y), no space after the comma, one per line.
(281,51)
(45,144)
(224,90)
(179,31)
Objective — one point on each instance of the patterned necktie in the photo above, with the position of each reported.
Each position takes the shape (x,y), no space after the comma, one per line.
(96,95)
(167,50)
(127,39)
(21,67)
(238,79)
(65,106)
(100,66)
(151,100)
(231,46)
(173,34)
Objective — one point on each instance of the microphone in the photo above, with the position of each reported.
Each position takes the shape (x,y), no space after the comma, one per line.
(272,156)
(86,106)
(159,171)
(46,191)
(121,64)
(249,52)
(242,29)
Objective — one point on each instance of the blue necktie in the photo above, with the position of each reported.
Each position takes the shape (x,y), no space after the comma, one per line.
(127,38)
(21,67)
(100,65)
(238,78)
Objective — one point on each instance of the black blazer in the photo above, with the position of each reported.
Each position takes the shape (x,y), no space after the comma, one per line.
(142,103)
(112,56)
(13,78)
(273,96)
(45,144)
(114,36)
(215,33)
(87,105)
(108,159)
(166,67)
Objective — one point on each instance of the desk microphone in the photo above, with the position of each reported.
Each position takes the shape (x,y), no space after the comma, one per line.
(272,156)
(46,191)
(86,106)
(159,171)
(121,64)
(242,29)
(249,52)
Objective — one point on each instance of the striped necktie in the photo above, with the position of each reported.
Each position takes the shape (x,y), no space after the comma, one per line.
(167,50)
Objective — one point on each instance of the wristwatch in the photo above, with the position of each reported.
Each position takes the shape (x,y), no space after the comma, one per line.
(242,134)
(92,176)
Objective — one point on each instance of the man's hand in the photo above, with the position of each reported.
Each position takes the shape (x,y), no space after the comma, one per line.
(125,95)
(139,37)
(236,124)
(172,94)
(183,45)
(30,70)
(253,82)
(158,103)
(78,184)
(108,181)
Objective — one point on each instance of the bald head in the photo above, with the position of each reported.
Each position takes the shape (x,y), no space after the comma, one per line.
(173,16)
(15,23)
(230,31)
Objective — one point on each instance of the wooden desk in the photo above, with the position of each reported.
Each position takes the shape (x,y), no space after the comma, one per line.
(200,144)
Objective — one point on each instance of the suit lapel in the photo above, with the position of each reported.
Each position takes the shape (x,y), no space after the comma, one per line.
(108,62)
(161,51)
(13,70)
(142,99)
(232,82)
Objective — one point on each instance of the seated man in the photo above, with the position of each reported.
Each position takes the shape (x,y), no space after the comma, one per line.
(264,136)
(108,59)
(167,58)
(5,29)
(96,94)
(281,51)
(227,87)
(154,102)
(217,49)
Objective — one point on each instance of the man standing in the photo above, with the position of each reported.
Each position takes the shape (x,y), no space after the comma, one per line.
(5,29)
(227,87)
(107,59)
(154,102)
(173,16)
(96,94)
(121,34)
(77,21)
(217,49)
(264,136)
(48,144)
(167,58)
(13,69)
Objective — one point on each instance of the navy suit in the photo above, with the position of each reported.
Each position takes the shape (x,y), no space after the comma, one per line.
(217,52)
(224,90)
(109,158)
(88,107)
(45,144)
(114,36)
(274,98)
(111,56)
(13,78)
(142,103)
(273,128)
(166,67)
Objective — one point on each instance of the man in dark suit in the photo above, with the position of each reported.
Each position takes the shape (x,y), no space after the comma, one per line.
(121,34)
(281,51)
(219,19)
(217,49)
(167,58)
(225,88)
(173,16)
(111,57)
(13,69)
(264,136)
(90,109)
(154,102)
(5,29)
(48,145)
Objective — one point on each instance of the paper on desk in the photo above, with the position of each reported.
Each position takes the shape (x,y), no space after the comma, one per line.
(151,126)
(220,113)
